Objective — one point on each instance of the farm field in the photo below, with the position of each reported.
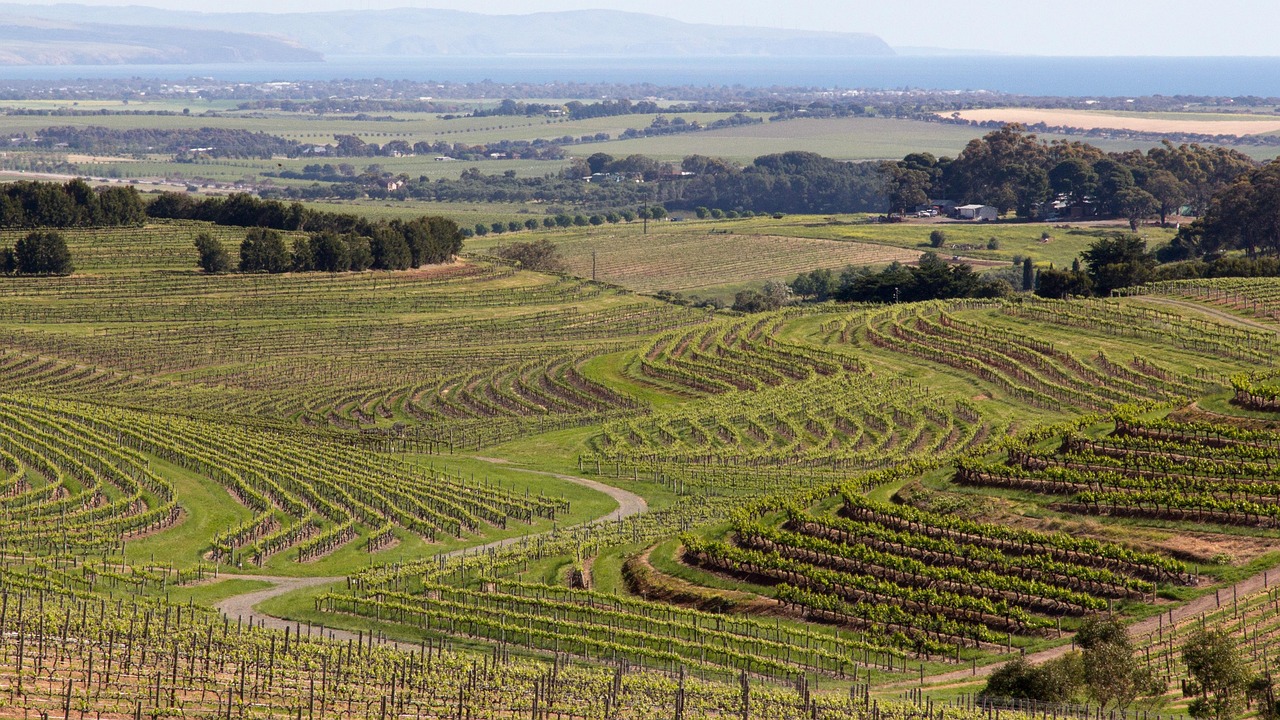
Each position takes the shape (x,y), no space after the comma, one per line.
(842,139)
(1199,123)
(469,488)
(699,255)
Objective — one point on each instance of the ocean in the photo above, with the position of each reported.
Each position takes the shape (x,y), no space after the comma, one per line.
(1060,76)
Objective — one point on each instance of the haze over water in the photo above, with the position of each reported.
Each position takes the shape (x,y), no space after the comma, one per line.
(1061,76)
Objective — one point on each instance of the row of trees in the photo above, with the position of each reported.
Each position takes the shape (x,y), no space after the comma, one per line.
(265,250)
(186,142)
(1013,170)
(39,253)
(1108,670)
(565,220)
(71,204)
(394,245)
(931,279)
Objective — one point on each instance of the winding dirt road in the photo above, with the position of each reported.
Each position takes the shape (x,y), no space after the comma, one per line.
(241,607)
(1204,603)
(1211,311)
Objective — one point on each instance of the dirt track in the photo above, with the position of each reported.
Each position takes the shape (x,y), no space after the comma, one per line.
(242,606)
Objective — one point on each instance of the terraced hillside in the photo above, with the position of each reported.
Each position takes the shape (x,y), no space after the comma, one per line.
(805,506)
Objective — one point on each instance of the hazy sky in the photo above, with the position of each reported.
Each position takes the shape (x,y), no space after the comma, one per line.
(1078,27)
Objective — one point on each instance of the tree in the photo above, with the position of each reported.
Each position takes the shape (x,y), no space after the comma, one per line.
(263,250)
(1061,284)
(1118,261)
(1074,178)
(43,252)
(1057,680)
(8,261)
(1220,677)
(937,238)
(1028,275)
(818,285)
(905,187)
(1263,694)
(359,252)
(1136,205)
(541,255)
(599,162)
(303,259)
(389,249)
(1113,674)
(330,253)
(1168,190)
(213,257)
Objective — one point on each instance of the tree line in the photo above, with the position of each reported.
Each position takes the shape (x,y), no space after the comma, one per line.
(932,278)
(337,242)
(1013,170)
(183,142)
(29,204)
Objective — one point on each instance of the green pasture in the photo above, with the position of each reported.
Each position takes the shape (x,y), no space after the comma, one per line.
(842,138)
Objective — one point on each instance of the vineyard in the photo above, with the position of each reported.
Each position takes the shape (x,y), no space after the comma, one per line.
(933,583)
(1156,469)
(510,494)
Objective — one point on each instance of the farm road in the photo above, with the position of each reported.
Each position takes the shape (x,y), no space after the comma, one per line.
(1207,309)
(1204,603)
(242,606)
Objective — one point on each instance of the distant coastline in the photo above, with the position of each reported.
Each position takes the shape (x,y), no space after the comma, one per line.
(1044,76)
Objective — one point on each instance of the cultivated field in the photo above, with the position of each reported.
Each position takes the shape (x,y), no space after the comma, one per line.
(663,511)
(702,255)
(843,139)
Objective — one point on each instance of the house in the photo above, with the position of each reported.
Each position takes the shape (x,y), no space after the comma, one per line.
(981,213)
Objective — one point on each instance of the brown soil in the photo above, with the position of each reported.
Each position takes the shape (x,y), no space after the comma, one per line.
(652,584)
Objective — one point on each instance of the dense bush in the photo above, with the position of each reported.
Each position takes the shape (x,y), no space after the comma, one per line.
(39,253)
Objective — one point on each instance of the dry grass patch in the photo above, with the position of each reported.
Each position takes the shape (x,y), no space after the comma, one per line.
(1227,125)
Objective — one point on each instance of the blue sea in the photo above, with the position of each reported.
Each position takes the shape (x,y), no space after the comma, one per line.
(1062,76)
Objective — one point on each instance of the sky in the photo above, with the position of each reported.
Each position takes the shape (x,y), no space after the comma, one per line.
(1079,27)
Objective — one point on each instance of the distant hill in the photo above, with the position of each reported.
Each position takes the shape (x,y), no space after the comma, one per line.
(414,32)
(39,41)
